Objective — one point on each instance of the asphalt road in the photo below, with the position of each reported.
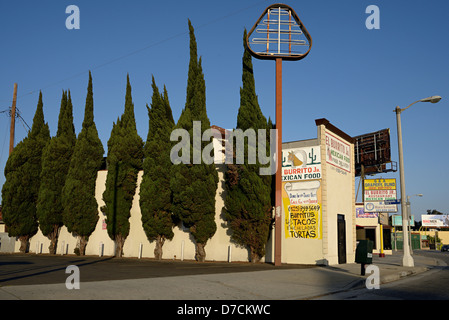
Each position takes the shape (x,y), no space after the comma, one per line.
(430,285)
(27,269)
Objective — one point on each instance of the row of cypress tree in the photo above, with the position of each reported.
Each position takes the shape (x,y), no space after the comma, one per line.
(51,181)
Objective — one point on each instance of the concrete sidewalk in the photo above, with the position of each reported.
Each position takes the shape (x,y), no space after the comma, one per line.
(283,284)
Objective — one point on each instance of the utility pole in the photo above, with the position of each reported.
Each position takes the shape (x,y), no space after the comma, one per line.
(13,119)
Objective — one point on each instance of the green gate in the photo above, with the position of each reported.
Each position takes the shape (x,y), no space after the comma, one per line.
(416,241)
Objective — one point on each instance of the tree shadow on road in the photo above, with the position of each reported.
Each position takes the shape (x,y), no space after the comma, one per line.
(41,274)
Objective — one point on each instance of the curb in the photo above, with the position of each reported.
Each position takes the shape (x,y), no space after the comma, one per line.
(361,283)
(402,274)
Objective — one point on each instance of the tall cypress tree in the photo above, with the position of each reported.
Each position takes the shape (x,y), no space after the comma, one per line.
(55,165)
(125,156)
(155,192)
(248,194)
(194,186)
(21,188)
(80,214)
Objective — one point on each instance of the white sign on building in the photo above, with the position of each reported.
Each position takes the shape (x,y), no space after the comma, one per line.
(338,152)
(301,164)
(379,206)
(380,195)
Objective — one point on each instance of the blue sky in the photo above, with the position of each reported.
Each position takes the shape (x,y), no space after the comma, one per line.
(353,76)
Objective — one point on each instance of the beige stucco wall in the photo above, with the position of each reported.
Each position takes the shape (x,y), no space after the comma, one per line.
(41,243)
(218,248)
(338,198)
(443,235)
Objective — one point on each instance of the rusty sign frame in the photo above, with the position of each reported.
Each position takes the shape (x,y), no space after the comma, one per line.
(372,151)
(269,55)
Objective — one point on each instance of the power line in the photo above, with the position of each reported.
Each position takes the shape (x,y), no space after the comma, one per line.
(18,115)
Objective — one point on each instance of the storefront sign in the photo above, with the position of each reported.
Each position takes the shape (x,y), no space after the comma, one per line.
(301,192)
(302,209)
(360,213)
(380,184)
(300,164)
(338,152)
(378,195)
(379,206)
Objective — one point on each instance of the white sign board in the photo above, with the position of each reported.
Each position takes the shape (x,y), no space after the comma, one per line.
(338,152)
(301,164)
(439,220)
(380,195)
(379,206)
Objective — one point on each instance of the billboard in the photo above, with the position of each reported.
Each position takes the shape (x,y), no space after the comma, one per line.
(372,151)
(436,221)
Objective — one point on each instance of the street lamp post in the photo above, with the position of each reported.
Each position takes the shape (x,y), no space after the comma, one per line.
(407,260)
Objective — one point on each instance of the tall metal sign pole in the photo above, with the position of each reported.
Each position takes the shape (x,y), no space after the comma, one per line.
(279,35)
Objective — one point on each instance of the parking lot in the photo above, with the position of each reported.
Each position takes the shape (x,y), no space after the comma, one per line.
(26,269)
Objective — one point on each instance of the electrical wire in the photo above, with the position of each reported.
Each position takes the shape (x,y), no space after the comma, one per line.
(19,115)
